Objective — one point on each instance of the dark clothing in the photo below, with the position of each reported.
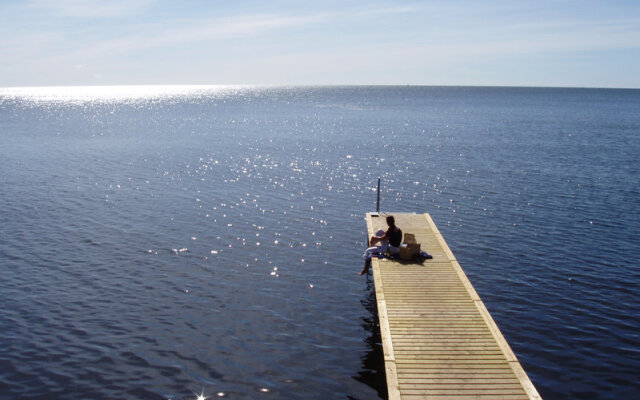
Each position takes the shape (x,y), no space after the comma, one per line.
(395,236)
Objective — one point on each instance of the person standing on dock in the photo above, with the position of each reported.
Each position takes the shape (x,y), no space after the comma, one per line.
(391,238)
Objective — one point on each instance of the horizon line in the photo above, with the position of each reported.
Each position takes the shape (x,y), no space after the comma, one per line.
(309,85)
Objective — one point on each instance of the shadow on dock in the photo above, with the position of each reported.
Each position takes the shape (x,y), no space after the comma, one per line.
(372,373)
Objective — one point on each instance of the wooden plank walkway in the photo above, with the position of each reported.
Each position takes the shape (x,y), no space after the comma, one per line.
(439,340)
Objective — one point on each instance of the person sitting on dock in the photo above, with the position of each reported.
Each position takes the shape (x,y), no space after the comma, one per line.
(392,238)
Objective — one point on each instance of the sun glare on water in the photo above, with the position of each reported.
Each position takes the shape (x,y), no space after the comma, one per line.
(112,93)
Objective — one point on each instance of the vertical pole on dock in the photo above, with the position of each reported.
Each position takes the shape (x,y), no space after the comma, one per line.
(378,201)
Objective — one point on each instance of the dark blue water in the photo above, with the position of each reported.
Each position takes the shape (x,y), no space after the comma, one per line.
(161,243)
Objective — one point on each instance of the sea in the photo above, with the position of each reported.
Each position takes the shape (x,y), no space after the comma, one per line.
(183,242)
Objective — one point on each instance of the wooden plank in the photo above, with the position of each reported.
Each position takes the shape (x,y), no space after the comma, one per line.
(439,340)
(393,388)
(461,396)
(456,373)
(460,379)
(476,393)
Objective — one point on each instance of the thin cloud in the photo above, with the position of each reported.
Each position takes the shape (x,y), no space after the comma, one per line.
(387,11)
(91,8)
(159,35)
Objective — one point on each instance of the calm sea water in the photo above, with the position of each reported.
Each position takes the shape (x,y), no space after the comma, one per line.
(162,243)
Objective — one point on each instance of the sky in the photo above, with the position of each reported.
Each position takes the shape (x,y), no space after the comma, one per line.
(561,43)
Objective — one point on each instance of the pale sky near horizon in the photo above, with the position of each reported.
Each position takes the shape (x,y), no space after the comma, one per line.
(284,42)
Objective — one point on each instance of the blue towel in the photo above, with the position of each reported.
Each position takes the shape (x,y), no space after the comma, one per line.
(382,255)
(425,256)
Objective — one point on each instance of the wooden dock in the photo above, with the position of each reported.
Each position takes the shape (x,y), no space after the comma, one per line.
(438,338)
